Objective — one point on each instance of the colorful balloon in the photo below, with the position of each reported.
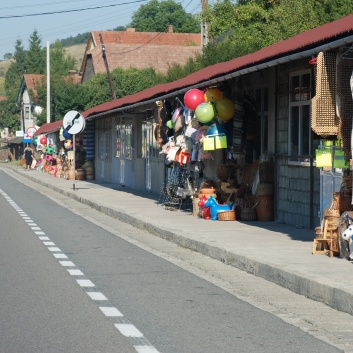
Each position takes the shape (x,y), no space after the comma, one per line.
(193,98)
(216,129)
(205,113)
(43,140)
(66,134)
(170,124)
(213,94)
(224,109)
(68,144)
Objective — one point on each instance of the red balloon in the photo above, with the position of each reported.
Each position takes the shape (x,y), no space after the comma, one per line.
(43,140)
(193,98)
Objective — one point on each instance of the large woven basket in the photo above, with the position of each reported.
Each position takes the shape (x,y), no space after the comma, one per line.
(248,214)
(227,215)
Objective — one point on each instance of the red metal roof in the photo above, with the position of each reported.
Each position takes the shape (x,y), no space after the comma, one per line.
(303,41)
(47,128)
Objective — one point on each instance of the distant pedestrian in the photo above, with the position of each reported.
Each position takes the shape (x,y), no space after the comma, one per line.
(28,157)
(20,151)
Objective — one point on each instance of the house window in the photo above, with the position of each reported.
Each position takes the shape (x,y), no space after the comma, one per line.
(27,115)
(148,145)
(299,118)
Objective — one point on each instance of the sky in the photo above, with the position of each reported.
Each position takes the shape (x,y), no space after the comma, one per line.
(18,19)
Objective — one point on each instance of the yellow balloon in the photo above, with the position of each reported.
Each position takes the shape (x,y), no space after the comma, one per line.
(224,109)
(213,94)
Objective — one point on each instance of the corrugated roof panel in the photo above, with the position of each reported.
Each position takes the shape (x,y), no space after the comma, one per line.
(302,41)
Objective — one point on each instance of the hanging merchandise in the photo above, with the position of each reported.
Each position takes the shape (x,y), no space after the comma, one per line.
(193,98)
(205,113)
(339,160)
(61,134)
(183,157)
(43,140)
(323,158)
(225,109)
(213,94)
(66,135)
(68,144)
(49,149)
(214,142)
(216,129)
(171,156)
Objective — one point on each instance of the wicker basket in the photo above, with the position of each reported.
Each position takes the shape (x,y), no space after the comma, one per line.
(227,216)
(319,232)
(330,212)
(248,214)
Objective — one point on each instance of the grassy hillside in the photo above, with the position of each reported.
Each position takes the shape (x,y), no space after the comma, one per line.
(77,52)
(4,65)
(2,92)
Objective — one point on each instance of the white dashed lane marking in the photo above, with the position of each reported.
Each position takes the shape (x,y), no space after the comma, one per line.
(136,337)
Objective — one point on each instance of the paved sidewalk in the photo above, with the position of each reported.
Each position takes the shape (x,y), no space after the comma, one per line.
(276,252)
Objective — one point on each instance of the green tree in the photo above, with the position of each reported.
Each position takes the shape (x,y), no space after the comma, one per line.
(7,56)
(60,62)
(8,113)
(125,82)
(65,95)
(16,70)
(36,55)
(156,16)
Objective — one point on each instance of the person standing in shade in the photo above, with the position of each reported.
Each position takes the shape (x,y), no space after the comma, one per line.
(28,157)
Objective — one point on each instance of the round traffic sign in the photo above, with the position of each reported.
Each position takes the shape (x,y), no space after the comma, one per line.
(74,122)
(31,131)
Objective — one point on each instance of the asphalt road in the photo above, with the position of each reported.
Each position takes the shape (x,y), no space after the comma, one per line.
(162,308)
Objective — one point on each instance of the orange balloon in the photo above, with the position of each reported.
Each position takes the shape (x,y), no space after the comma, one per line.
(224,109)
(213,94)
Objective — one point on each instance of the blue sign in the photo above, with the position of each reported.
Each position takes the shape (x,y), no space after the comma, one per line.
(27,139)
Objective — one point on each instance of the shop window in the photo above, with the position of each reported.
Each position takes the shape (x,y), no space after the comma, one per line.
(148,145)
(124,138)
(104,139)
(299,118)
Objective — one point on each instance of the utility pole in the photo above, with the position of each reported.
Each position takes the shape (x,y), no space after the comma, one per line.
(48,83)
(204,31)
(107,68)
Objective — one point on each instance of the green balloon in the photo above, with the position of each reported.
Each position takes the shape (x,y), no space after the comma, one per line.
(170,124)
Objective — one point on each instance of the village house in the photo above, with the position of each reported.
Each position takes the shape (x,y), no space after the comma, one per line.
(138,49)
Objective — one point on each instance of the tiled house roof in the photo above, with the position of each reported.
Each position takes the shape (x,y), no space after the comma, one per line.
(33,81)
(138,49)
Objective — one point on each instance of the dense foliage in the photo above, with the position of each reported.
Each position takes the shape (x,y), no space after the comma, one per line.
(32,61)
(125,82)
(79,39)
(156,16)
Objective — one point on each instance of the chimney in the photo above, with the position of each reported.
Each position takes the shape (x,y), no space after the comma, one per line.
(72,72)
(130,30)
(170,29)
